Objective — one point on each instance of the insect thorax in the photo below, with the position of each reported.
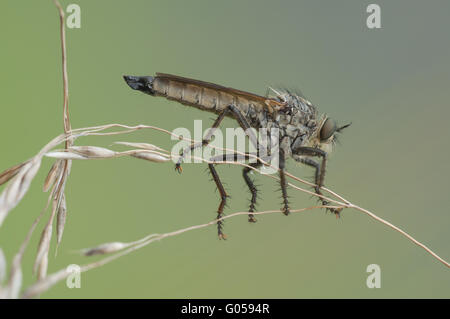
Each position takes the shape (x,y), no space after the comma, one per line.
(297,122)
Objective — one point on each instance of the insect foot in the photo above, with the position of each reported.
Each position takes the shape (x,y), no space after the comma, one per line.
(178,168)
(219,229)
(251,218)
(335,211)
(222,236)
(285,210)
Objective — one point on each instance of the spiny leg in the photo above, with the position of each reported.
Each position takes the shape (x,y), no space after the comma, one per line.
(223,195)
(246,127)
(253,190)
(204,142)
(223,200)
(242,122)
(283,183)
(319,171)
(236,157)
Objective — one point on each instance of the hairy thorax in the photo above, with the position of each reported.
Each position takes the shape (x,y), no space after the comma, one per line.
(297,123)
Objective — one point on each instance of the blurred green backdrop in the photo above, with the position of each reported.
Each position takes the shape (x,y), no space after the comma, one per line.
(392,83)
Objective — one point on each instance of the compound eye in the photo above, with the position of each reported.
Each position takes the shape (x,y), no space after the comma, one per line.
(328,129)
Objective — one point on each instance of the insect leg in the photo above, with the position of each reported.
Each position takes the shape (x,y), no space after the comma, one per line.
(204,142)
(248,180)
(253,190)
(243,123)
(223,200)
(283,183)
(246,127)
(223,195)
(319,170)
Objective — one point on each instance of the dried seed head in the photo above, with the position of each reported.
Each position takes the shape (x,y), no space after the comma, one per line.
(61,219)
(10,173)
(65,155)
(42,273)
(14,191)
(144,146)
(92,151)
(104,249)
(43,248)
(152,157)
(52,175)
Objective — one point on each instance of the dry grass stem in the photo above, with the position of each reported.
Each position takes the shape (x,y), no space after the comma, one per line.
(42,285)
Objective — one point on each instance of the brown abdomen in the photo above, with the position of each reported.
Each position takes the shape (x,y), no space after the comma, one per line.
(203,97)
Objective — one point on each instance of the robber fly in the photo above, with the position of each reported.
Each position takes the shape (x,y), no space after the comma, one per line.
(303,134)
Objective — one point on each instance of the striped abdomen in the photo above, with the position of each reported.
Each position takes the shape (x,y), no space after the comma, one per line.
(203,95)
(206,96)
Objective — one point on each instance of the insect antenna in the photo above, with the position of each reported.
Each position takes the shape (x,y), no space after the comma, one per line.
(339,129)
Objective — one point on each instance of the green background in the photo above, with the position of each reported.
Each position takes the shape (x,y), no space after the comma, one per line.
(392,83)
